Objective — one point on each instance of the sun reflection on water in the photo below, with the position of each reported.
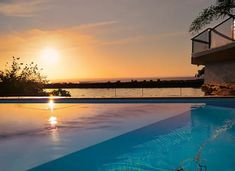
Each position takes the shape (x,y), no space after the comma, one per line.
(51,105)
(53,121)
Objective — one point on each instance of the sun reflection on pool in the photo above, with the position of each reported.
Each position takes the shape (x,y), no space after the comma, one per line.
(51,105)
(53,129)
(53,121)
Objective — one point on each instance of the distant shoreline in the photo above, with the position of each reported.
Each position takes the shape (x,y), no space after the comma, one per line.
(124,79)
(191,83)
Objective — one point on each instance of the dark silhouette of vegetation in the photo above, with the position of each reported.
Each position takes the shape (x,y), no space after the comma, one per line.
(23,80)
(220,9)
(60,92)
(195,83)
(200,73)
(19,79)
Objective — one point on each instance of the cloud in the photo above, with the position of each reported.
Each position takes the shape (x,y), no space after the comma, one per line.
(70,37)
(73,38)
(20,8)
(142,38)
(34,40)
(95,25)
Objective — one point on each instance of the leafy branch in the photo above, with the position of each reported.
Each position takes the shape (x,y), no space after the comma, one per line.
(221,9)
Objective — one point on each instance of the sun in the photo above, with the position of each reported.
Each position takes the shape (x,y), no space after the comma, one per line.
(50,55)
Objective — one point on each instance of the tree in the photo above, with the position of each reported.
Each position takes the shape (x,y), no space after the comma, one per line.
(20,79)
(221,9)
(25,80)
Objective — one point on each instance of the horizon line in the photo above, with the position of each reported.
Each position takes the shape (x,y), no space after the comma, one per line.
(116,79)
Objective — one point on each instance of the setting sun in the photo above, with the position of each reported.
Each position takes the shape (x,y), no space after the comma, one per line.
(117,85)
(50,55)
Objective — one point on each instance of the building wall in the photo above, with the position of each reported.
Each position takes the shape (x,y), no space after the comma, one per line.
(220,72)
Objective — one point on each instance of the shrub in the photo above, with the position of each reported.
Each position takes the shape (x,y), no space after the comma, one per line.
(25,80)
(60,92)
(19,79)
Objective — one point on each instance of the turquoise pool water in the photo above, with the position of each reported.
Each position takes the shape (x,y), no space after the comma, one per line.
(102,137)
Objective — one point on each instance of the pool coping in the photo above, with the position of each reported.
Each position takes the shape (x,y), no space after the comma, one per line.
(119,100)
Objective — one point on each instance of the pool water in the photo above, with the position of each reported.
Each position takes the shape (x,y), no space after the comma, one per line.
(102,137)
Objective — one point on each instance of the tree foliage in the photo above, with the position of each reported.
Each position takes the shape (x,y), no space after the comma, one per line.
(25,80)
(19,79)
(220,9)
(60,92)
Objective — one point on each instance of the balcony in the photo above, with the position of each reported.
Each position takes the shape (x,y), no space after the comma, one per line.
(215,44)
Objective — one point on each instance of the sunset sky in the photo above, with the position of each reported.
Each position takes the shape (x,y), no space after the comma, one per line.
(86,39)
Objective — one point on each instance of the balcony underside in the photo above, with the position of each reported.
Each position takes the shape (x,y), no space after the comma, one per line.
(220,54)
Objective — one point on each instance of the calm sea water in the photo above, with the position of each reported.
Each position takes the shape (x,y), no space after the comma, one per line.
(135,92)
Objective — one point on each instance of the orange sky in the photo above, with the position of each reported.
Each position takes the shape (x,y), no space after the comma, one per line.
(102,47)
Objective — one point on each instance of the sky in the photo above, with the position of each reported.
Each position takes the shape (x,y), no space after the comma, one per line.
(90,39)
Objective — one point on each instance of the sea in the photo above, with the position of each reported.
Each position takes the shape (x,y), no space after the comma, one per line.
(134,92)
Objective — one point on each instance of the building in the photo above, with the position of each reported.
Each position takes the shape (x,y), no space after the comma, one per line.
(215,49)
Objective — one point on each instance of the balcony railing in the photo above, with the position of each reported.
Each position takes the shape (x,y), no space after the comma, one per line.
(218,36)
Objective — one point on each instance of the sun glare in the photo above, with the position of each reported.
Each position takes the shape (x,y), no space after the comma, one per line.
(53,121)
(50,55)
(51,105)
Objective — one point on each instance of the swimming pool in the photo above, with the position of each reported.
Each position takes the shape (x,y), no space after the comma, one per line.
(180,135)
